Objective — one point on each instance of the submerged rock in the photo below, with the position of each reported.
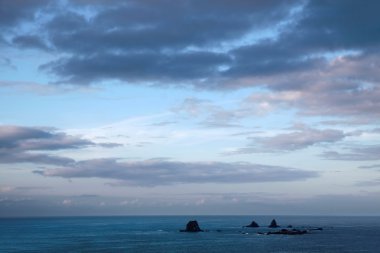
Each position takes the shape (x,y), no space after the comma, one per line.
(192,226)
(273,224)
(252,225)
(286,232)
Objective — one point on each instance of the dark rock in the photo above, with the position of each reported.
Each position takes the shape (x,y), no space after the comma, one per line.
(192,226)
(289,226)
(252,225)
(288,232)
(273,224)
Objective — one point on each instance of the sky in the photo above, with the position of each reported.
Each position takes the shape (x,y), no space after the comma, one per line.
(163,107)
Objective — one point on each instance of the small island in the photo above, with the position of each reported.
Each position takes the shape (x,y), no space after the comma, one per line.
(252,225)
(192,226)
(273,224)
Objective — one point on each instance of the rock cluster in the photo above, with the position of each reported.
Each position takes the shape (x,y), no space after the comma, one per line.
(193,226)
(286,232)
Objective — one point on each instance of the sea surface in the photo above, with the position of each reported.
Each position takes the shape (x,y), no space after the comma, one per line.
(161,234)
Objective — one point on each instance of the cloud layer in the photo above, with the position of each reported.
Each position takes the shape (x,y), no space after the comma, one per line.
(160,172)
(324,53)
(34,145)
(193,40)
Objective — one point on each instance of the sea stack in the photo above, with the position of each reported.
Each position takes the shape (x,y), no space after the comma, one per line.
(252,225)
(192,226)
(273,224)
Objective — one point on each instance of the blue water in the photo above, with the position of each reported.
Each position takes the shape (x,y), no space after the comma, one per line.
(161,234)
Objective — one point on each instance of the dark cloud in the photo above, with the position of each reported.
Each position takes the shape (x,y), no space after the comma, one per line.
(166,29)
(147,25)
(141,41)
(269,58)
(30,41)
(327,51)
(155,67)
(12,12)
(11,135)
(30,138)
(31,144)
(361,153)
(160,172)
(339,24)
(321,27)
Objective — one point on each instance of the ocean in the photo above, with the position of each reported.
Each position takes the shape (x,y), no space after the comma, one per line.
(161,234)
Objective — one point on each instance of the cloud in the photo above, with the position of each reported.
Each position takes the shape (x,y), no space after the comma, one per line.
(163,123)
(6,62)
(166,42)
(194,40)
(321,27)
(303,138)
(13,12)
(373,182)
(374,166)
(31,138)
(30,41)
(109,145)
(163,24)
(30,145)
(131,66)
(341,87)
(210,115)
(361,153)
(161,172)
(300,139)
(23,157)
(320,58)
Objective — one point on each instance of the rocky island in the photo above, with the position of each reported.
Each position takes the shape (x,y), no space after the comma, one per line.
(273,224)
(252,225)
(192,226)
